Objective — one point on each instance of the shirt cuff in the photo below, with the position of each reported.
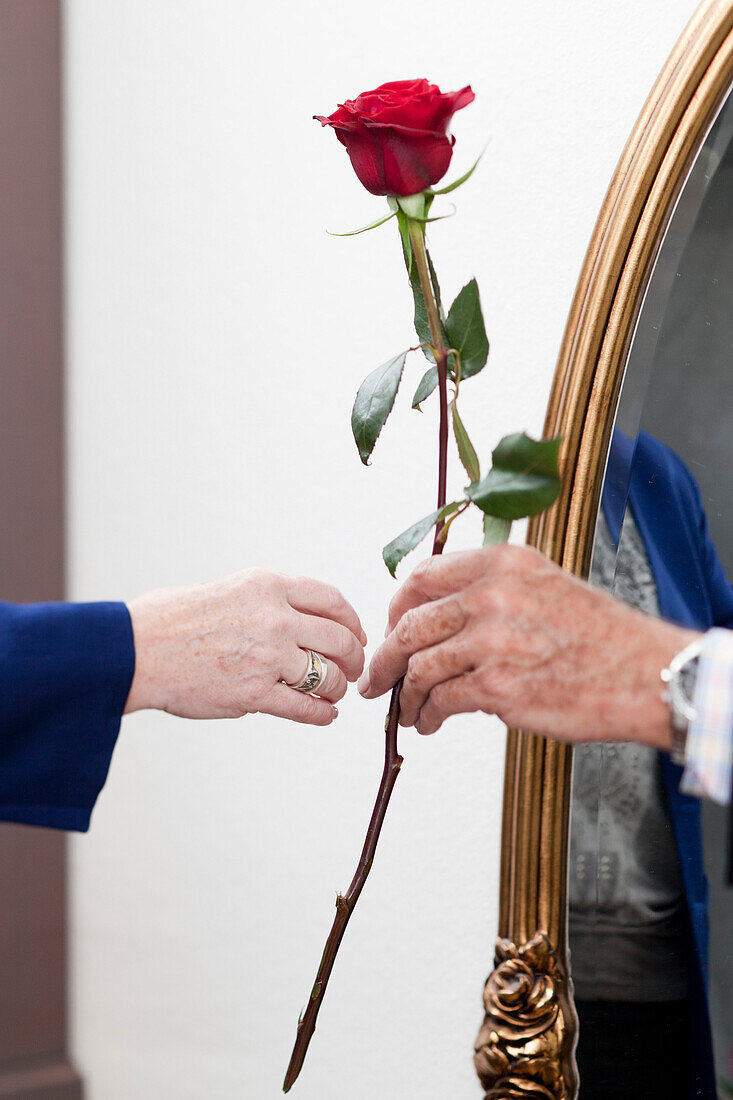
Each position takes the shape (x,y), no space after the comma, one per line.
(709,748)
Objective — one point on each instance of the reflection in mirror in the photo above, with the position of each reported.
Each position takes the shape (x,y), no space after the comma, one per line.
(652,1023)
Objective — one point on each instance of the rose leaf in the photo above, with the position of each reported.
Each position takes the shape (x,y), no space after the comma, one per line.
(466,450)
(395,551)
(428,382)
(523,479)
(374,403)
(466,332)
(496,530)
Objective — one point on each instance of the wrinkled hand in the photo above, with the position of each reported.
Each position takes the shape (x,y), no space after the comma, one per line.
(505,631)
(224,649)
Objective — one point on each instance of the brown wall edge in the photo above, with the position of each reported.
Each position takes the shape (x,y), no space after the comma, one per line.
(33,992)
(50,1078)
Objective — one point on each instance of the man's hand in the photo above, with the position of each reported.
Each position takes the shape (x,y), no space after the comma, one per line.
(505,631)
(223,649)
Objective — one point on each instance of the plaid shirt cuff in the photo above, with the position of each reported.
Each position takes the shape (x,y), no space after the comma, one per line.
(709,749)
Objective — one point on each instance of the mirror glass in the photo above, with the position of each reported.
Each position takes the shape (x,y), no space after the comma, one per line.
(654,993)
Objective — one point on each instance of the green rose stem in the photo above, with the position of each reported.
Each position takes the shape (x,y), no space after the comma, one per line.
(417,240)
(392,760)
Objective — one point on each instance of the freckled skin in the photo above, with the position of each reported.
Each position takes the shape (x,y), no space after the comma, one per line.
(505,631)
(223,649)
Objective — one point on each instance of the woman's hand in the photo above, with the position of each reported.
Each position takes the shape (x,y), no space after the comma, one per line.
(228,648)
(505,631)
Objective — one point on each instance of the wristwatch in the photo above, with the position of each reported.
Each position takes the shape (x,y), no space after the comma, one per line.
(680,678)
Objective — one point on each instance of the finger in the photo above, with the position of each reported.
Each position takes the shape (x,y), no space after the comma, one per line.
(333,687)
(458,696)
(284,702)
(332,640)
(417,629)
(426,670)
(438,577)
(315,598)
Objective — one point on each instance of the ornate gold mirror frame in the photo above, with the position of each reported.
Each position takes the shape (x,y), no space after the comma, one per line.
(526,1045)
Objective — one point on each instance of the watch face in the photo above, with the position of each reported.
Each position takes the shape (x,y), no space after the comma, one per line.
(688,678)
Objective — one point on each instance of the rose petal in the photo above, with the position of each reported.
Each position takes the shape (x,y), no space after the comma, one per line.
(396,134)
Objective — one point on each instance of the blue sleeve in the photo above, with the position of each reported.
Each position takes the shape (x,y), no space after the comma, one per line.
(720,592)
(65,674)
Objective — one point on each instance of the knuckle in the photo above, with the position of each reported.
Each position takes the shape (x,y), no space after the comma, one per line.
(270,657)
(495,689)
(504,690)
(350,655)
(453,614)
(530,555)
(309,707)
(495,596)
(517,558)
(262,581)
(424,570)
(313,586)
(256,574)
(254,694)
(276,624)
(297,584)
(339,690)
(490,599)
(303,586)
(334,599)
(499,558)
(417,671)
(343,646)
(504,553)
(405,629)
(439,699)
(286,624)
(485,642)
(409,698)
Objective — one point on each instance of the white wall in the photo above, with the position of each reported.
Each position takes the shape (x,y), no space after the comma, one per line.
(216,336)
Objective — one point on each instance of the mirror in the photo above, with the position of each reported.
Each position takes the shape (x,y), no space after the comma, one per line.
(637,897)
(603,878)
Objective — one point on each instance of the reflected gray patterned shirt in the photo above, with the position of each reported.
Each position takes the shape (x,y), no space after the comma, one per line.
(627,917)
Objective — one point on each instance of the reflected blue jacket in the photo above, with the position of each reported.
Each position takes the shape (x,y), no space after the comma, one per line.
(65,674)
(693,591)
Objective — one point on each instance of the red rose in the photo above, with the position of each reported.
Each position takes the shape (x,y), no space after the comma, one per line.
(396,135)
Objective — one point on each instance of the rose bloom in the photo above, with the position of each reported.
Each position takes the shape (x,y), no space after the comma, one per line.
(396,136)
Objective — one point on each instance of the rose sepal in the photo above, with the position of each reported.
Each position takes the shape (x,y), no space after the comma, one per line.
(461,179)
(412,205)
(364,228)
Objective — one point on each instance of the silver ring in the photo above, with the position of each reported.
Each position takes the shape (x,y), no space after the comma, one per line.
(315,673)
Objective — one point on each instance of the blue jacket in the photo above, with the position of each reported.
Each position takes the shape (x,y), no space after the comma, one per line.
(65,674)
(693,590)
